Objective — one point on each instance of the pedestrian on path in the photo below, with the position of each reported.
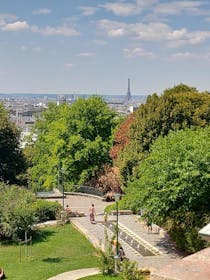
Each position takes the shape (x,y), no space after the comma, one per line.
(121,253)
(149,226)
(92,214)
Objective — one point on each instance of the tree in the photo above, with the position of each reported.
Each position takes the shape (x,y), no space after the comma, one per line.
(109,180)
(73,140)
(174,184)
(121,136)
(12,161)
(177,108)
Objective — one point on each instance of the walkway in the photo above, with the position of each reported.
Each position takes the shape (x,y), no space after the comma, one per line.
(76,274)
(133,235)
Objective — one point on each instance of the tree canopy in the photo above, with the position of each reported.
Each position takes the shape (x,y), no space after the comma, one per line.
(174,183)
(12,161)
(177,108)
(75,139)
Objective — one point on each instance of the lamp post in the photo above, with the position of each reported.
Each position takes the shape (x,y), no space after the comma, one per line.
(62,183)
(117,198)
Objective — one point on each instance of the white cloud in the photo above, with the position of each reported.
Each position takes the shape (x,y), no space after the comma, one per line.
(8,23)
(128,9)
(179,7)
(181,55)
(43,11)
(190,38)
(64,30)
(86,54)
(25,48)
(88,11)
(189,56)
(113,28)
(154,32)
(6,18)
(15,26)
(137,52)
(121,9)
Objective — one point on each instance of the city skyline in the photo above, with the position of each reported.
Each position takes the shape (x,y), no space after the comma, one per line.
(94,47)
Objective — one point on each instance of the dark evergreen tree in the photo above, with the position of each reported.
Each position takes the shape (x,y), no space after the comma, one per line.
(12,161)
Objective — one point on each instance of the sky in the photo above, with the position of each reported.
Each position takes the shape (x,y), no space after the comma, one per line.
(93,47)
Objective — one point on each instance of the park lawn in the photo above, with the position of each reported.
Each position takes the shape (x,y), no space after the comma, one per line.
(59,249)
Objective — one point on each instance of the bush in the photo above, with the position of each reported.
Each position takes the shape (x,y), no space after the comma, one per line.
(46,210)
(19,210)
(130,271)
(107,262)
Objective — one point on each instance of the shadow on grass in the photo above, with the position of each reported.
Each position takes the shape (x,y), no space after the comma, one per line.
(53,260)
(42,235)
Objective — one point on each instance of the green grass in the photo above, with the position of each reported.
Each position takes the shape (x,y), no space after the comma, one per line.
(57,250)
(101,277)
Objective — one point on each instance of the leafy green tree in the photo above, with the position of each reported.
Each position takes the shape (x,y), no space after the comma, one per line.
(72,140)
(12,161)
(174,184)
(177,108)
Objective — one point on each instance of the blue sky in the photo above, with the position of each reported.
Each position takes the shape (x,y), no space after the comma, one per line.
(89,46)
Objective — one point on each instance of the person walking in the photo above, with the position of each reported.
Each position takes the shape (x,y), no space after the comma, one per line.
(121,253)
(92,214)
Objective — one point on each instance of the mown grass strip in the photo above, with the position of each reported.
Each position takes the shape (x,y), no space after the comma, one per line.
(54,251)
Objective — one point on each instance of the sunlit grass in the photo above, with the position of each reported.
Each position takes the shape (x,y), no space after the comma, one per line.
(57,250)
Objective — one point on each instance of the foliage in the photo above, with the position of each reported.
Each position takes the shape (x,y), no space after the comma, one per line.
(177,108)
(128,160)
(121,136)
(46,210)
(16,215)
(12,161)
(19,210)
(173,183)
(54,251)
(73,141)
(109,180)
(129,271)
(107,262)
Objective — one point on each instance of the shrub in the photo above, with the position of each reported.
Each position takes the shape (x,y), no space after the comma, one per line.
(46,210)
(19,210)
(129,271)
(107,262)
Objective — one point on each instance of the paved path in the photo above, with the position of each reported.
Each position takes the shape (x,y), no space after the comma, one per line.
(76,274)
(161,246)
(163,249)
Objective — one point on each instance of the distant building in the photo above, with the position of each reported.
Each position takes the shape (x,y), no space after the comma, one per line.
(128,95)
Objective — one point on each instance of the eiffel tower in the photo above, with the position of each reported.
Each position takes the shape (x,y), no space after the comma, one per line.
(128,95)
